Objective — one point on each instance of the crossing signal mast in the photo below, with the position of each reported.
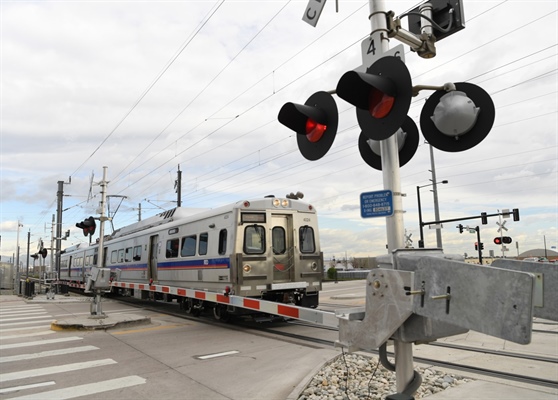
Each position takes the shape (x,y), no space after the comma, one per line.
(455,118)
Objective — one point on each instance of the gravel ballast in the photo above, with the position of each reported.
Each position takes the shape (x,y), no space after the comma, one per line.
(356,377)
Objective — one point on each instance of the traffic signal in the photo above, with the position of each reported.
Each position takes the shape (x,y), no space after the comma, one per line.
(382,96)
(457,120)
(481,245)
(407,140)
(460,228)
(315,123)
(515,212)
(476,245)
(484,218)
(88,225)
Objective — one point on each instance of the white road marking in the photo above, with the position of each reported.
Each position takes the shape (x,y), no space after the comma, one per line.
(33,373)
(39,342)
(25,328)
(23,387)
(26,335)
(226,353)
(27,322)
(49,353)
(87,389)
(24,318)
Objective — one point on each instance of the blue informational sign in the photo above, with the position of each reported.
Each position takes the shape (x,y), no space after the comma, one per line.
(376,204)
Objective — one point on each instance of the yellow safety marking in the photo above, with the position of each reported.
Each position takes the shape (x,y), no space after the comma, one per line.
(154,328)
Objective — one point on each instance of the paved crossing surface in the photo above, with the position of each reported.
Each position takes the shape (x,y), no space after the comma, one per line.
(41,363)
(169,358)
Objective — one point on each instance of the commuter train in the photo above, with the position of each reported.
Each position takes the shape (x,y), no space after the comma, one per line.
(266,248)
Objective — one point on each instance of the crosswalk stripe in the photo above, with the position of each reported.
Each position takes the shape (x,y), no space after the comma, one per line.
(24,311)
(23,387)
(39,342)
(26,322)
(25,327)
(22,335)
(87,389)
(24,318)
(21,307)
(49,353)
(11,376)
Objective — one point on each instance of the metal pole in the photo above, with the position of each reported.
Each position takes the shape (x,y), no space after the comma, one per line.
(479,244)
(390,171)
(421,241)
(60,199)
(96,307)
(28,244)
(435,195)
(179,187)
(18,272)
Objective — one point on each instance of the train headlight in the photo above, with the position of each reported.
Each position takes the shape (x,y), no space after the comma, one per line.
(314,266)
(285,203)
(247,268)
(276,202)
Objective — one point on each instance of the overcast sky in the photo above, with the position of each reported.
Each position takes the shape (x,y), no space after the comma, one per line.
(144,86)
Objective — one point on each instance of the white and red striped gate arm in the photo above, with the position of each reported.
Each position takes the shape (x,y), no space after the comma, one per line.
(318,317)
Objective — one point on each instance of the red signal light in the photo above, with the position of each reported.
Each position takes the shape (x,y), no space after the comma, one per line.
(379,103)
(497,240)
(314,130)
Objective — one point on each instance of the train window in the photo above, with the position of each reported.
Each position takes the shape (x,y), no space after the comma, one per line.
(202,246)
(128,256)
(172,248)
(95,259)
(137,253)
(188,246)
(278,240)
(222,241)
(254,239)
(121,255)
(113,256)
(306,237)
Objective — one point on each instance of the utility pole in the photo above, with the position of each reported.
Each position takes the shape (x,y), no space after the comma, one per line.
(435,195)
(59,205)
(178,187)
(96,307)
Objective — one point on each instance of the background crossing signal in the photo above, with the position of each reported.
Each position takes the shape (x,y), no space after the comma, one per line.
(88,225)
(503,239)
(382,96)
(315,123)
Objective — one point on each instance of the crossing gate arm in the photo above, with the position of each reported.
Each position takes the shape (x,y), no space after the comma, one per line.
(429,296)
(546,284)
(311,315)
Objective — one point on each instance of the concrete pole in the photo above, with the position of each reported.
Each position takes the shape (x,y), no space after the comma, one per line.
(390,170)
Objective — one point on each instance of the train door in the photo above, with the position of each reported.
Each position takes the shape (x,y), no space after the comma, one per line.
(283,248)
(152,260)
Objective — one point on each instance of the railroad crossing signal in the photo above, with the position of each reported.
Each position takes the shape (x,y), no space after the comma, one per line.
(315,123)
(457,120)
(88,226)
(382,96)
(502,240)
(501,226)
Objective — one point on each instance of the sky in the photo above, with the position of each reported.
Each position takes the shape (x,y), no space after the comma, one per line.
(146,87)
